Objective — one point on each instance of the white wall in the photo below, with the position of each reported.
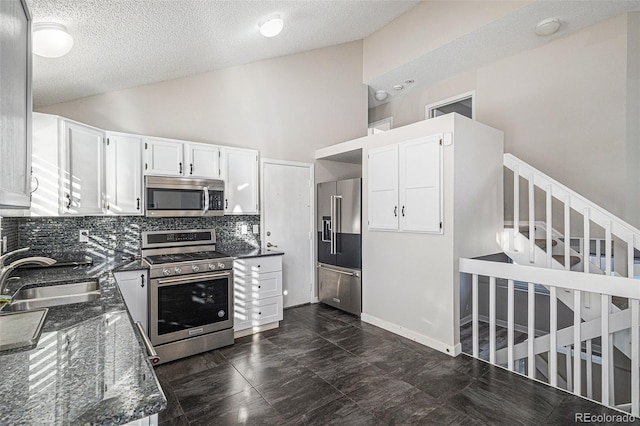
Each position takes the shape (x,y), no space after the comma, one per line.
(563,108)
(285,107)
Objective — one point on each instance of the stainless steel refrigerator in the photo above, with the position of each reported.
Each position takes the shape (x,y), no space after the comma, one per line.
(340,244)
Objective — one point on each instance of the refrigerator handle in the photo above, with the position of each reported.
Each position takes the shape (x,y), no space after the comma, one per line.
(336,224)
(332,249)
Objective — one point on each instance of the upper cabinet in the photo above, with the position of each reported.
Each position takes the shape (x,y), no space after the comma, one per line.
(167,157)
(82,169)
(405,187)
(240,174)
(124,174)
(15,104)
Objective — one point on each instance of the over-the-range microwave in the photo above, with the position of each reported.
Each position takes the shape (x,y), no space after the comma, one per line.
(178,196)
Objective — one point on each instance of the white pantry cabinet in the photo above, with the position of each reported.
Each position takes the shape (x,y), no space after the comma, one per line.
(82,168)
(135,291)
(123,163)
(167,157)
(257,293)
(405,186)
(240,174)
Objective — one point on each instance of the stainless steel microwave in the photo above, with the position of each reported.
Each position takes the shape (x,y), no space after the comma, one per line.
(178,196)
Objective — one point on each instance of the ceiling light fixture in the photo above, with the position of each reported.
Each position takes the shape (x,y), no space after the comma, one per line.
(381,95)
(398,87)
(547,27)
(272,26)
(51,40)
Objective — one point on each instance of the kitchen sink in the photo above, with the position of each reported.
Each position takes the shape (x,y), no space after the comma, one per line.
(54,295)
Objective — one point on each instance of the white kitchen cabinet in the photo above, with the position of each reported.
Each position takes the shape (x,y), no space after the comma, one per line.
(163,157)
(203,160)
(168,157)
(124,174)
(405,187)
(135,291)
(257,293)
(82,167)
(240,174)
(15,104)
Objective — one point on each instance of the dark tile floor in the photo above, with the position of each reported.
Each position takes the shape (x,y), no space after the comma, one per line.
(323,366)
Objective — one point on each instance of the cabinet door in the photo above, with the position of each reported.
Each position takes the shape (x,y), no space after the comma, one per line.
(163,157)
(134,289)
(420,185)
(241,181)
(15,104)
(124,174)
(383,188)
(203,161)
(82,171)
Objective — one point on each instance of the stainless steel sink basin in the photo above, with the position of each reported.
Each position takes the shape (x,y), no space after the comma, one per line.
(54,295)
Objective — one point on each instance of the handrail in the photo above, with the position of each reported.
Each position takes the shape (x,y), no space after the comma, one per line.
(598,214)
(570,280)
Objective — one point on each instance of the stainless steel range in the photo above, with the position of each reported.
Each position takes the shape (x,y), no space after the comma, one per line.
(190,292)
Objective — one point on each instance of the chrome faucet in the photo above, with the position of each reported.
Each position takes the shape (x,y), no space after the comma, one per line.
(6,270)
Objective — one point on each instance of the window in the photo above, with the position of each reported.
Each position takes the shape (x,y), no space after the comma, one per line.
(463,104)
(380,126)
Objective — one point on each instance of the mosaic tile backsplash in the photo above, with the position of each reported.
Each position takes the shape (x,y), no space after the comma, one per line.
(108,234)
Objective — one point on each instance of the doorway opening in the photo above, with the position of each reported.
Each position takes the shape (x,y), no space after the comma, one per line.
(463,104)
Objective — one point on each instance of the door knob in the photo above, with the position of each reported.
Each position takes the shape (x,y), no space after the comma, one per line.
(271,245)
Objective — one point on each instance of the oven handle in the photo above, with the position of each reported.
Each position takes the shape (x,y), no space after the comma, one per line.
(205,190)
(151,352)
(193,278)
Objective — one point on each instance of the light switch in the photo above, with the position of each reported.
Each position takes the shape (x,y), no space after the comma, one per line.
(243,229)
(256,229)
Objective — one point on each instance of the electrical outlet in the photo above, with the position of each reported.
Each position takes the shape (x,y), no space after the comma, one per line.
(256,229)
(243,229)
(83,236)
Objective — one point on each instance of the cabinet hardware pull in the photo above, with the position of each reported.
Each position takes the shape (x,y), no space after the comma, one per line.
(138,203)
(142,280)
(68,201)
(190,169)
(271,245)
(395,211)
(180,168)
(402,211)
(226,203)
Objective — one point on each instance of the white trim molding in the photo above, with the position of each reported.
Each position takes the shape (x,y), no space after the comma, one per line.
(471,94)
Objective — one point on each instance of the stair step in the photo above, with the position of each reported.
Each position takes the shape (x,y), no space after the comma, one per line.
(620,302)
(573,260)
(542,243)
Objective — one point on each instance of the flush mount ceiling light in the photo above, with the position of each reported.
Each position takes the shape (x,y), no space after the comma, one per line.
(51,40)
(547,27)
(381,95)
(272,26)
(398,87)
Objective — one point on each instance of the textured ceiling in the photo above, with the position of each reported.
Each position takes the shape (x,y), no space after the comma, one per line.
(127,43)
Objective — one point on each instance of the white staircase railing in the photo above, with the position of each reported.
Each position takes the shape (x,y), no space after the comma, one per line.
(567,340)
(613,226)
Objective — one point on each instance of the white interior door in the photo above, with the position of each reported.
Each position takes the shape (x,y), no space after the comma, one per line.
(287,224)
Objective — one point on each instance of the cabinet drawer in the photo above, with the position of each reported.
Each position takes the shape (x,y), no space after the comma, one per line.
(257,286)
(257,312)
(257,265)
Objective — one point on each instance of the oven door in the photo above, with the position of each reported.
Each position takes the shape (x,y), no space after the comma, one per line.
(188,306)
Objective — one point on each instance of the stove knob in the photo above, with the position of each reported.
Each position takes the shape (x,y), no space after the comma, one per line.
(165,271)
(195,268)
(220,265)
(178,270)
(212,266)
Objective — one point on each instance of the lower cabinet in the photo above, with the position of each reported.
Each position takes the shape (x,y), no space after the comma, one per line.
(135,290)
(257,293)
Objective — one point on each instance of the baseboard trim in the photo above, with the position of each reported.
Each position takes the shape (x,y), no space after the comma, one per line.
(412,335)
(257,329)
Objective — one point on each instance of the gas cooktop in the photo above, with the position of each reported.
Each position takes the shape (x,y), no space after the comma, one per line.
(159,259)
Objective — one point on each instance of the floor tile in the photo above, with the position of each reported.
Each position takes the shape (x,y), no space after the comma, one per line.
(246,407)
(175,370)
(296,396)
(440,381)
(177,421)
(378,391)
(173,410)
(406,408)
(201,391)
(259,369)
(342,411)
(449,416)
(351,374)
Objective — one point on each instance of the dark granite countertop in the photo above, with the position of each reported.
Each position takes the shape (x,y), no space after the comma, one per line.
(245,251)
(89,366)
